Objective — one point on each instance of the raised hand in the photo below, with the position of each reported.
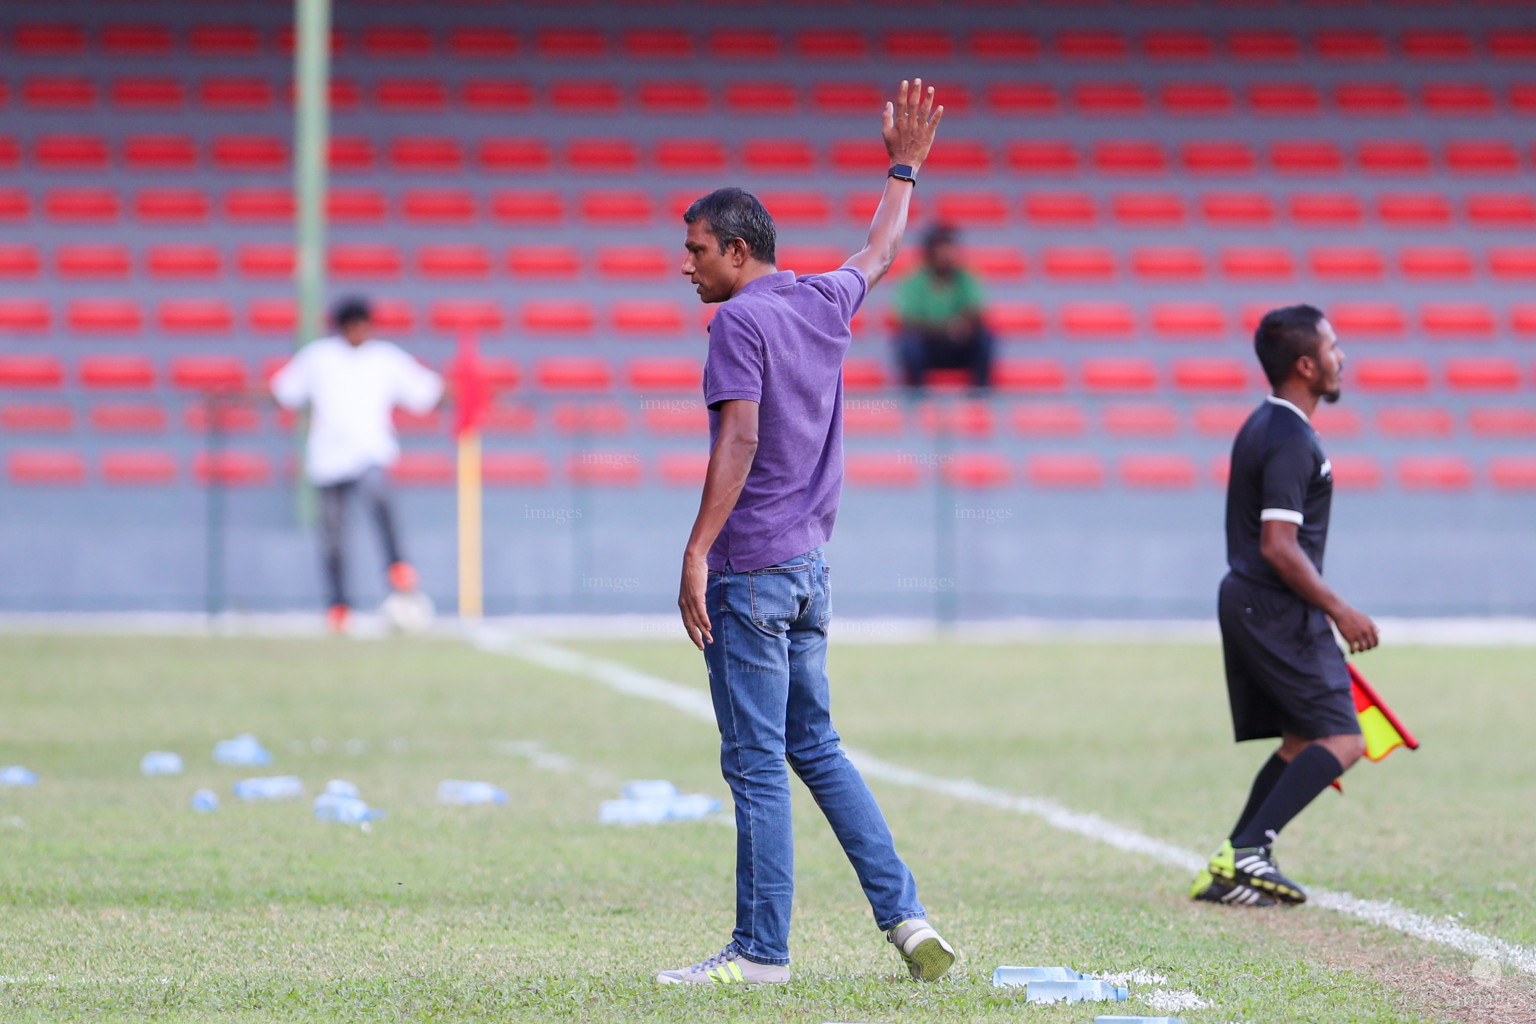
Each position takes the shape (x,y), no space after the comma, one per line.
(910,123)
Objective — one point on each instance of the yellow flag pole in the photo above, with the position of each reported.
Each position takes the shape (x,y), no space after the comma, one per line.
(471,584)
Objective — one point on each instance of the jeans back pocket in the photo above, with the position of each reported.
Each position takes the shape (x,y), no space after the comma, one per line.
(780,595)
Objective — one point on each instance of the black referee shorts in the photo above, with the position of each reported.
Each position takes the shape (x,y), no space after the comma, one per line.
(1285,672)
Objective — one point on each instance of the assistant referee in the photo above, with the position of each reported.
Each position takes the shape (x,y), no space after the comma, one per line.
(1286,676)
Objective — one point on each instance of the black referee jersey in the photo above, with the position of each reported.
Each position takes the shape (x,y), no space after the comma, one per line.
(1285,672)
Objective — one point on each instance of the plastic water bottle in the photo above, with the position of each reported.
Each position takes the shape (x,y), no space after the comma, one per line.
(16,775)
(649,789)
(1005,977)
(1073,992)
(1109,1018)
(344,810)
(460,792)
(205,801)
(270,787)
(341,787)
(160,762)
(632,812)
(244,749)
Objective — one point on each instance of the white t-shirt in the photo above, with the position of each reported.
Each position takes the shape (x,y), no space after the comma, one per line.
(352,394)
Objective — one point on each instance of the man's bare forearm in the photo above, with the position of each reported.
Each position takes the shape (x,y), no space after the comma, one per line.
(1298,573)
(885,231)
(729,464)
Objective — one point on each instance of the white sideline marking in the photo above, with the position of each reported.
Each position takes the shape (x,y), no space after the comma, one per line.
(696,703)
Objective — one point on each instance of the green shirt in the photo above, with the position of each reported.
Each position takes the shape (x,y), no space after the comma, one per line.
(923,298)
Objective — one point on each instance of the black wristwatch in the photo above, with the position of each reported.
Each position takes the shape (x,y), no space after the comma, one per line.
(903,172)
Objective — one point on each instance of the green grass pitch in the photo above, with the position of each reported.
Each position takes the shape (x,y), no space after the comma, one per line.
(118,902)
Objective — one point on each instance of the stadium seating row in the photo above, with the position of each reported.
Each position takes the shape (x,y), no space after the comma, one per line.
(1152,471)
(1181,264)
(1055,209)
(769,97)
(672,373)
(612,155)
(577,318)
(224,41)
(977,419)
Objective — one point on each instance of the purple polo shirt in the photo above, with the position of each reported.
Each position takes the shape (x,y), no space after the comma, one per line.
(780,342)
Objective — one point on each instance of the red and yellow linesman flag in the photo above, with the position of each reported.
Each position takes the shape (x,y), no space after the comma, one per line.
(472,396)
(1384,732)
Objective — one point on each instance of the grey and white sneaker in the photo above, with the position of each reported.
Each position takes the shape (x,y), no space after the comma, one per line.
(727,967)
(927,956)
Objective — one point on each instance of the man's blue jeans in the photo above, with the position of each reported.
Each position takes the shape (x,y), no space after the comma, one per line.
(768,678)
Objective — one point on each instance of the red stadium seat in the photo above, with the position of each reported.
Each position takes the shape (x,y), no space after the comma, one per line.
(1263,44)
(1168,263)
(995,262)
(176,262)
(45,468)
(195,316)
(847,97)
(658,44)
(413,95)
(962,156)
(1196,99)
(1371,319)
(669,97)
(160,152)
(526,207)
(617,206)
(232,418)
(585,96)
(456,261)
(1078,263)
(605,468)
(350,153)
(1284,99)
(356,205)
(861,374)
(1048,419)
(1065,471)
(779,155)
(665,373)
(930,44)
(882,469)
(207,373)
(1389,156)
(1512,472)
(496,95)
(392,41)
(1349,44)
(798,208)
(977,470)
(219,40)
(1178,44)
(1371,99)
(1436,44)
(733,44)
(104,316)
(1158,471)
(365,260)
(1091,44)
(58,92)
(1148,209)
(1060,209)
(116,373)
(857,156)
(553,261)
(1234,158)
(1502,421)
(1435,262)
(973,209)
(1237,209)
(515,469)
(245,93)
(1336,421)
(635,262)
(1118,375)
(92,261)
(593,418)
(1512,262)
(966,418)
(19,260)
(1481,157)
(1458,99)
(1306,157)
(1325,209)
(232,468)
(1118,99)
(1413,421)
(602,156)
(459,315)
(1212,375)
(508,418)
(682,469)
(1413,209)
(272,316)
(1392,375)
(15,205)
(52,39)
(761,97)
(831,44)
(1257,263)
(1482,374)
(571,43)
(1014,318)
(648,317)
(1022,99)
(70,152)
(1460,321)
(24,315)
(1140,420)
(1042,157)
(689,156)
(513,156)
(557,316)
(1347,262)
(479,41)
(438,206)
(1003,44)
(171,205)
(1030,376)
(1434,473)
(1099,320)
(1221,420)
(1128,156)
(258,204)
(31,372)
(426,153)
(138,468)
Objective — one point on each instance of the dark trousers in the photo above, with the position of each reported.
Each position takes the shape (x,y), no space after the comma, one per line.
(919,351)
(334,499)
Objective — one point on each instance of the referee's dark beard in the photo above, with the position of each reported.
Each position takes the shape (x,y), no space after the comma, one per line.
(1332,396)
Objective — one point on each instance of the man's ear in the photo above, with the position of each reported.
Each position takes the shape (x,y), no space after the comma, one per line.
(738,252)
(1308,367)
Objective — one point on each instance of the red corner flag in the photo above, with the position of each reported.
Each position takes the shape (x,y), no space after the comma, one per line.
(1384,732)
(472,395)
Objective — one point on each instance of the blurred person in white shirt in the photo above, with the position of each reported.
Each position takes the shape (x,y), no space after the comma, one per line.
(352,383)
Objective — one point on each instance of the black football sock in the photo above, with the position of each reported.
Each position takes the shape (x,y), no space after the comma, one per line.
(1263,784)
(1308,774)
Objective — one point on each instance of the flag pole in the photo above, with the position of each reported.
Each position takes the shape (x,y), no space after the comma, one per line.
(471,584)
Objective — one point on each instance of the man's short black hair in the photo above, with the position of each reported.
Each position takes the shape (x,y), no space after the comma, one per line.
(937,235)
(1284,336)
(350,310)
(734,213)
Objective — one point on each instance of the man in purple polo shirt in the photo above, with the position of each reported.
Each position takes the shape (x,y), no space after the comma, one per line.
(756,595)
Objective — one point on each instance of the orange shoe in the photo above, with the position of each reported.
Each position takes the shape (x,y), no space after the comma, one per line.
(337,618)
(402,577)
